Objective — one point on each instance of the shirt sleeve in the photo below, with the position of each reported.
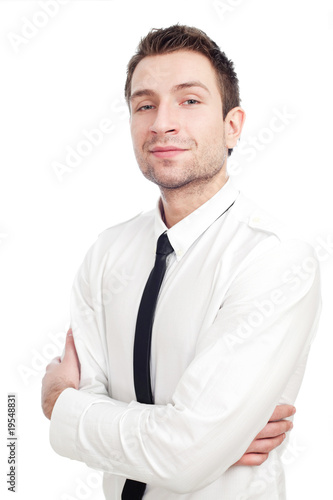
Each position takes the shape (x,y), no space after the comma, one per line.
(88,329)
(243,363)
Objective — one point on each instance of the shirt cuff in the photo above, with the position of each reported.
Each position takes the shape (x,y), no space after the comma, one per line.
(67,413)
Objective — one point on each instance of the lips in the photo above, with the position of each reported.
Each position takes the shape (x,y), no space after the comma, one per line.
(167,148)
(167,151)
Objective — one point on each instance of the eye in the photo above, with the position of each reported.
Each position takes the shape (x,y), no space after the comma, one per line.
(191,101)
(145,107)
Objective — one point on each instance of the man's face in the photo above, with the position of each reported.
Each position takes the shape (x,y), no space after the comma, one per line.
(177,120)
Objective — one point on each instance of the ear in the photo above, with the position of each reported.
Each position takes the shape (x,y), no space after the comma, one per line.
(234,122)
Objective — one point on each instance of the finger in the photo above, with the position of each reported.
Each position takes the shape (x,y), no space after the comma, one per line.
(265,445)
(252,459)
(273,429)
(70,350)
(282,411)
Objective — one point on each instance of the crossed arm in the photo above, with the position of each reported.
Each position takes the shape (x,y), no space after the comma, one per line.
(221,402)
(64,374)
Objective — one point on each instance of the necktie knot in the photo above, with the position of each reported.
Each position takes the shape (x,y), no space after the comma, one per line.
(164,246)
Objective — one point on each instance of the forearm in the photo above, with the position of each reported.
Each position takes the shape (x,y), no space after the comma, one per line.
(182,446)
(167,446)
(223,400)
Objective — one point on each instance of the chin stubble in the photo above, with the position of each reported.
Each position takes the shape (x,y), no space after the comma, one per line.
(190,173)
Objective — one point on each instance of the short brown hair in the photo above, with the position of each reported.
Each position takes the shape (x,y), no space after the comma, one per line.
(181,37)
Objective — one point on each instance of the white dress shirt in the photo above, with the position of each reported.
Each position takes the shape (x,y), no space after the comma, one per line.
(235,318)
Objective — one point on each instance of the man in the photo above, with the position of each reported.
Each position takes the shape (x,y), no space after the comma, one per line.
(234,318)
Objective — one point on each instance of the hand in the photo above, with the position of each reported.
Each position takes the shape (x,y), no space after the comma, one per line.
(60,375)
(271,436)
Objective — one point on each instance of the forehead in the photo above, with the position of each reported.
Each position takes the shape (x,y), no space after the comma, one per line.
(161,72)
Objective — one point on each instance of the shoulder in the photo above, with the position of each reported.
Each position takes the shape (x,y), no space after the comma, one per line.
(139,222)
(258,219)
(276,241)
(120,236)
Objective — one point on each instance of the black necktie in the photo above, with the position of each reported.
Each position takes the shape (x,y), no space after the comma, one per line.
(134,490)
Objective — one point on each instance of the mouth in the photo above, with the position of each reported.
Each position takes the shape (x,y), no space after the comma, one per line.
(167,152)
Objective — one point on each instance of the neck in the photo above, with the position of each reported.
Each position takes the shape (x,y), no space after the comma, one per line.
(176,204)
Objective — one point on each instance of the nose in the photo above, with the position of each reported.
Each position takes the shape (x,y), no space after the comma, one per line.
(166,120)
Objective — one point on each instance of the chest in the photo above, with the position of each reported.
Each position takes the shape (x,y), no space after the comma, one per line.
(191,294)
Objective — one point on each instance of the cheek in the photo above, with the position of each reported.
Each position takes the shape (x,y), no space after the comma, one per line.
(207,126)
(215,133)
(136,133)
(140,127)
(209,135)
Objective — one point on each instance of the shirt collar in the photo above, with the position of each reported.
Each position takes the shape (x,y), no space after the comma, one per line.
(183,234)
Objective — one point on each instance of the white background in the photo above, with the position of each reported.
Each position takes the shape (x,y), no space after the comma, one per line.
(66,78)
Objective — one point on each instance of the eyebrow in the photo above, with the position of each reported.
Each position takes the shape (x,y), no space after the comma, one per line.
(175,88)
